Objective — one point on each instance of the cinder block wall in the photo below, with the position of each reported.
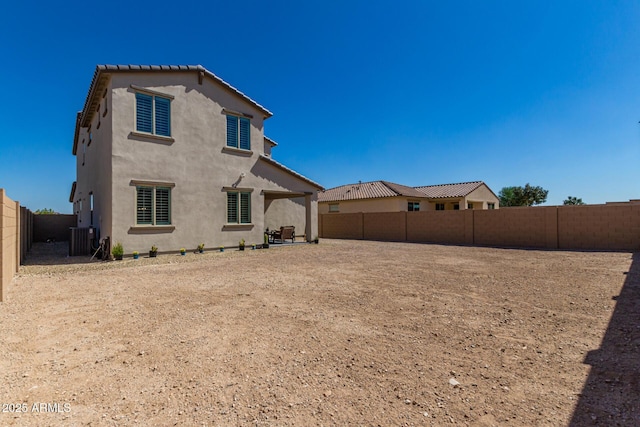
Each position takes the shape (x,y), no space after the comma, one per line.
(517,227)
(596,227)
(342,226)
(26,232)
(599,227)
(9,241)
(52,227)
(389,226)
(437,227)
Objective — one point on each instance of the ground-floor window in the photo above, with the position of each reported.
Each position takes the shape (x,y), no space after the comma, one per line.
(491,205)
(153,205)
(439,206)
(334,207)
(238,207)
(413,206)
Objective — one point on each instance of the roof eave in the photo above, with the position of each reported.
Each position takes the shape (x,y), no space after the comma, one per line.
(270,141)
(266,113)
(76,134)
(290,171)
(103,72)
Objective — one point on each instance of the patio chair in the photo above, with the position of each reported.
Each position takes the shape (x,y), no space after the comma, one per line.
(286,233)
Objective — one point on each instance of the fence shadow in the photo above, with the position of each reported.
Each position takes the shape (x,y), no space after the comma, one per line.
(611,394)
(56,253)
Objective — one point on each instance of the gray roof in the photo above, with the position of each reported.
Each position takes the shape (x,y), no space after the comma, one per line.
(99,81)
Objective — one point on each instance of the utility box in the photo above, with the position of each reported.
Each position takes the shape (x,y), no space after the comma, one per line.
(80,241)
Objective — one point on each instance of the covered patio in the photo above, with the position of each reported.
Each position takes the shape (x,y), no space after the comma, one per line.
(288,208)
(290,199)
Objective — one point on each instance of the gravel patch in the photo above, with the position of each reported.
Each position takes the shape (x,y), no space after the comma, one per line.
(340,333)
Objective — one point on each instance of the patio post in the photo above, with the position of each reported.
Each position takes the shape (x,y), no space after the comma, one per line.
(308,223)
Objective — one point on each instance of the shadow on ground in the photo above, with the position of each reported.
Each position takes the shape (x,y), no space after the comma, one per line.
(611,395)
(55,253)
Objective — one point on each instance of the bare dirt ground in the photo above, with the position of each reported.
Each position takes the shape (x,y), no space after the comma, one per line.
(340,333)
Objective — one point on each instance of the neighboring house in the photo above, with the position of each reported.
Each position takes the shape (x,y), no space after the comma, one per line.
(173,156)
(383,196)
(465,195)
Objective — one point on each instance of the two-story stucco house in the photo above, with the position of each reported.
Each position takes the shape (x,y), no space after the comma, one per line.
(173,156)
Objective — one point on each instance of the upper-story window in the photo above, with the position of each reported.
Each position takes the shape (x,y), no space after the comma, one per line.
(153,114)
(238,132)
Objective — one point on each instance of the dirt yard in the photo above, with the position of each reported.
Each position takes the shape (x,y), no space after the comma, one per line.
(340,333)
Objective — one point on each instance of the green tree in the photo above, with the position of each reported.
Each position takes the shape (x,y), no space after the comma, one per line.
(522,196)
(507,197)
(573,201)
(45,212)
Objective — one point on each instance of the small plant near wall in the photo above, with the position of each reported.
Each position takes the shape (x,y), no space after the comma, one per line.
(117,251)
(241,244)
(201,248)
(316,240)
(253,247)
(221,248)
(153,252)
(136,254)
(183,251)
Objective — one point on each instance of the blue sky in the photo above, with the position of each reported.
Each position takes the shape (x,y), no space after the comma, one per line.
(413,92)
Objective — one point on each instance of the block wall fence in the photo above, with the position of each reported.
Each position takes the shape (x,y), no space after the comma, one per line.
(589,227)
(52,227)
(16,239)
(9,241)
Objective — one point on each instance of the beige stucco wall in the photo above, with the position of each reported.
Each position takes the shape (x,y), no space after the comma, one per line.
(197,164)
(481,197)
(448,204)
(282,212)
(95,175)
(387,204)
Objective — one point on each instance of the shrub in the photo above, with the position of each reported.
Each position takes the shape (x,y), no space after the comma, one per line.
(117,250)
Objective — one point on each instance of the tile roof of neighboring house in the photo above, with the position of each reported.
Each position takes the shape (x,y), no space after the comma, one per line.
(279,165)
(449,190)
(99,81)
(367,190)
